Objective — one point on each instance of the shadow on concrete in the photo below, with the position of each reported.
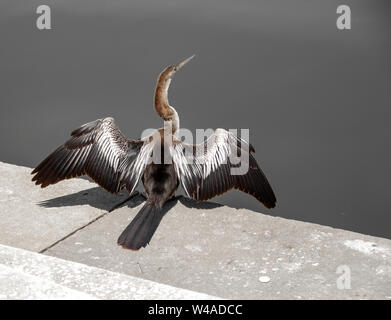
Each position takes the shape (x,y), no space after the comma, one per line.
(190,203)
(101,199)
(94,197)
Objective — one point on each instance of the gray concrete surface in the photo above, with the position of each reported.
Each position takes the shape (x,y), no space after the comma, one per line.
(221,251)
(23,222)
(29,275)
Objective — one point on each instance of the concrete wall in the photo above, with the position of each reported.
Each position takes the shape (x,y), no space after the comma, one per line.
(209,248)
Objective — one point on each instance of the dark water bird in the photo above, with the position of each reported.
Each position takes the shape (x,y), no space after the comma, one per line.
(99,149)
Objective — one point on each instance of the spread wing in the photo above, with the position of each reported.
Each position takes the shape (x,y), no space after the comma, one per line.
(97,149)
(207,172)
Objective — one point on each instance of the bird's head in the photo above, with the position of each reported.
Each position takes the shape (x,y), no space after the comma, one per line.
(162,105)
(168,73)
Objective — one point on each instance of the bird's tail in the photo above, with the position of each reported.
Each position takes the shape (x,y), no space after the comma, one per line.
(140,231)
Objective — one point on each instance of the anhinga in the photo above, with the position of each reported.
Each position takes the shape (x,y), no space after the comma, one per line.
(99,149)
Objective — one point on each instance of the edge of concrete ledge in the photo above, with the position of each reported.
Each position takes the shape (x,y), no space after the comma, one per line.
(240,255)
(29,275)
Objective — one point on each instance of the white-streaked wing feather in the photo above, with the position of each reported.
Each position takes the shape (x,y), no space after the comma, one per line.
(205,169)
(97,149)
(132,170)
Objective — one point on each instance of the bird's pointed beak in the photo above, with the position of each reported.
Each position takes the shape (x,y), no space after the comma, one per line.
(184,62)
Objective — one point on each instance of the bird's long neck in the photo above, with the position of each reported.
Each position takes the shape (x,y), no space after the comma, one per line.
(162,105)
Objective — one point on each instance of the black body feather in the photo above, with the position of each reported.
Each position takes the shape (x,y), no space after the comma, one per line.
(160,183)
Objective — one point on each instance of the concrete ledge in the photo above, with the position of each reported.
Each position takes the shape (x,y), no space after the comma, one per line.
(25,224)
(29,275)
(218,250)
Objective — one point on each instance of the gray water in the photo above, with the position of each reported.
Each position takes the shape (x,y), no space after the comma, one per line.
(317,100)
